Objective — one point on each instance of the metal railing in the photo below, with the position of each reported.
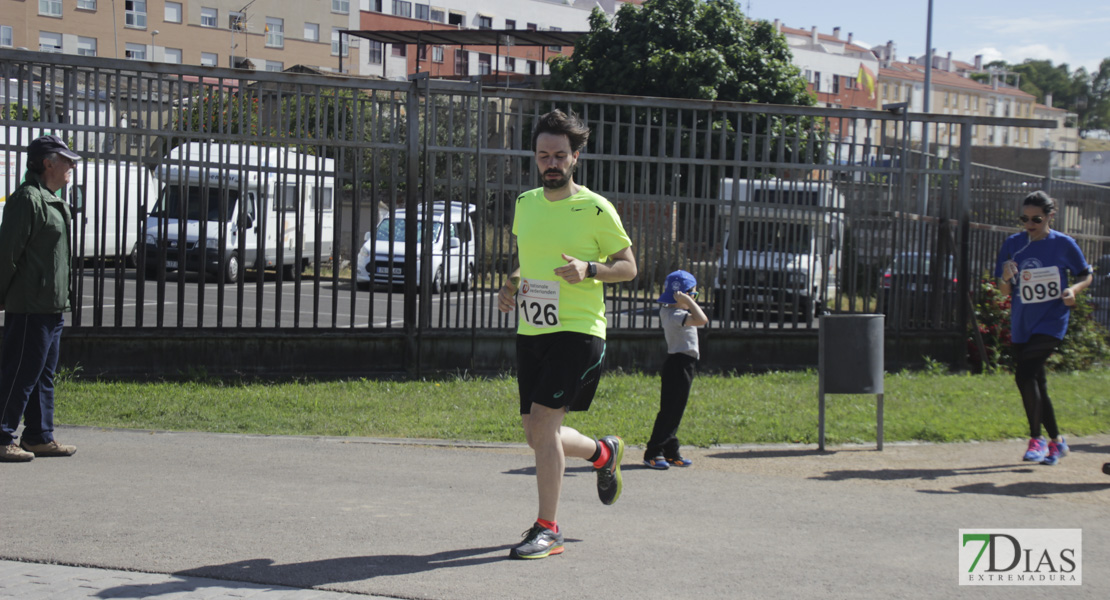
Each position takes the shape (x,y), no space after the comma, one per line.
(781,213)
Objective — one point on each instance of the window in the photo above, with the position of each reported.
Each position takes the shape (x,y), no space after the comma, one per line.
(817,81)
(208,59)
(322,199)
(6,36)
(375,52)
(510,24)
(555,48)
(376,5)
(50,8)
(438,15)
(86,46)
(172,55)
(275,66)
(402,8)
(400,49)
(339,44)
(275,32)
(173,12)
(510,64)
(462,62)
(135,51)
(485,66)
(311,32)
(208,17)
(422,52)
(236,21)
(836,84)
(86,4)
(50,42)
(344,6)
(456,18)
(423,12)
(532,67)
(485,22)
(437,54)
(135,13)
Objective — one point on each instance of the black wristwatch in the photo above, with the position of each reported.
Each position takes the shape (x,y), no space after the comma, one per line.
(591,270)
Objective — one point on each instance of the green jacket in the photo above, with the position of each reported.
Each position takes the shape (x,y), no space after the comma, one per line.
(34,251)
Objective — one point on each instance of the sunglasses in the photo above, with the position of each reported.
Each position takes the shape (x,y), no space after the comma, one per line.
(1037,219)
(693,295)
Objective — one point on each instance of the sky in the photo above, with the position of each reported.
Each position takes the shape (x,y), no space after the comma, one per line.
(1072,32)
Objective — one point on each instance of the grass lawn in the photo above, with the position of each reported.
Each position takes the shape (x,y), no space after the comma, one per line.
(741,409)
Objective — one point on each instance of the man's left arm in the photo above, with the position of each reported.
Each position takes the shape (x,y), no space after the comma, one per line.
(621,266)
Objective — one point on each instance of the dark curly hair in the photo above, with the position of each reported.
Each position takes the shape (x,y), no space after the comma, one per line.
(559,123)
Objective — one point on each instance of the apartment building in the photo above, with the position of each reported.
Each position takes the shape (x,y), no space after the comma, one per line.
(397,61)
(255,34)
(832,66)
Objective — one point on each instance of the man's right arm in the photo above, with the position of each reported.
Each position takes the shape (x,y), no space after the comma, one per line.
(506,296)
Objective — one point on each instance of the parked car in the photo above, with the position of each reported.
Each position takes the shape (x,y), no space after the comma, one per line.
(382,257)
(908,287)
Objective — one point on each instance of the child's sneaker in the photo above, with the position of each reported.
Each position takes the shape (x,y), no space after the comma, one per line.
(679,461)
(658,463)
(1037,450)
(1056,451)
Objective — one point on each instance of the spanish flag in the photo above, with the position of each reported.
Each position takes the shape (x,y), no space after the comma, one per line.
(867,78)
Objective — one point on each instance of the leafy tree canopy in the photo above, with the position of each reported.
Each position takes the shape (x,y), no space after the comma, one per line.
(702,49)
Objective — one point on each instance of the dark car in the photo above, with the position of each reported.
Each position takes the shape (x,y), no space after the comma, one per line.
(911,286)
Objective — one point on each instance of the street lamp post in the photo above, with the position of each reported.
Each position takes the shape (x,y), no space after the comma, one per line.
(152,34)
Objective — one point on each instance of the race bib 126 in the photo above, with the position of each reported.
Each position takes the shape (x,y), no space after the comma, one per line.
(1040,285)
(538,301)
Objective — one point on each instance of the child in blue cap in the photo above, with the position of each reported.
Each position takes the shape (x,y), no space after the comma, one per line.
(680,317)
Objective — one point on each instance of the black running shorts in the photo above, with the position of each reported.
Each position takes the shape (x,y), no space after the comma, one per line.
(558,370)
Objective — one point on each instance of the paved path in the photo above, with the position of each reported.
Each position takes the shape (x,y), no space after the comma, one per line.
(196,515)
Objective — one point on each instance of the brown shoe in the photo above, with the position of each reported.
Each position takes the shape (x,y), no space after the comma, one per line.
(51,448)
(13,453)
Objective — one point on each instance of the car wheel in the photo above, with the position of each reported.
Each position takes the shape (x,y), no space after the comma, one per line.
(231,271)
(437,281)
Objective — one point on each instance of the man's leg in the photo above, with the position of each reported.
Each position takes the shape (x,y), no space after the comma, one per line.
(38,417)
(552,443)
(23,358)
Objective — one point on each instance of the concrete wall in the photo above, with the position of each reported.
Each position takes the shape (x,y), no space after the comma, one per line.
(151,354)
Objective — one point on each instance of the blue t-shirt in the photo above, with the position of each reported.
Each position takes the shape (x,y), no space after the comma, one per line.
(1056,250)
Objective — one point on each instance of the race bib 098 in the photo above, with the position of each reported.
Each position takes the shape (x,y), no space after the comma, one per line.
(1040,285)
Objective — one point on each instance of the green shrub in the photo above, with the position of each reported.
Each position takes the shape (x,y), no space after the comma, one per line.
(1083,347)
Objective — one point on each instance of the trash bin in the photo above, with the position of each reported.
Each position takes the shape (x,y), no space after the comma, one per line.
(850,361)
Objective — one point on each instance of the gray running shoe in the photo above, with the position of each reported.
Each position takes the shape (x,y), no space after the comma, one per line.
(539,542)
(609,475)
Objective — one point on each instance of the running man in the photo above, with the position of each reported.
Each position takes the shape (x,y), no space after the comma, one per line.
(569,241)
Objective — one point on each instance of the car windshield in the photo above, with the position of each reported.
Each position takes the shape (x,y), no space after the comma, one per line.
(398,228)
(765,236)
(199,203)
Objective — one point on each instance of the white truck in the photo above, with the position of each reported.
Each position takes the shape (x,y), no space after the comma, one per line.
(275,206)
(107,198)
(780,249)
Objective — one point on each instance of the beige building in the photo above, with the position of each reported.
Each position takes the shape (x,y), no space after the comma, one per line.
(259,34)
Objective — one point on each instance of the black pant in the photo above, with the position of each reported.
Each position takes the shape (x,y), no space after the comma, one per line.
(678,377)
(1029,359)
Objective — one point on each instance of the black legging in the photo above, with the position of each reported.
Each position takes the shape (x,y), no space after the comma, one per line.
(677,378)
(1029,359)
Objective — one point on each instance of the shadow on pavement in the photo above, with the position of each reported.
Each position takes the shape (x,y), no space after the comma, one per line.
(1030,489)
(312,574)
(923,474)
(568,472)
(772,453)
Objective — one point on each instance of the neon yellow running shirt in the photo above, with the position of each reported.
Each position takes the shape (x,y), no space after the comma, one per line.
(585,226)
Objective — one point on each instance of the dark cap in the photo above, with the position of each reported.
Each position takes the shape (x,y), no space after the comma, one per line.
(46,144)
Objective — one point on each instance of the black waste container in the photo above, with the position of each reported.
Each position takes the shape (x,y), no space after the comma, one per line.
(850,361)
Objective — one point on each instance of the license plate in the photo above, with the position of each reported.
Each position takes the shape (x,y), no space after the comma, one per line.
(171,264)
(385,270)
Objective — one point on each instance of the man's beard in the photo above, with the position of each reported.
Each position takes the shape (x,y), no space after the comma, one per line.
(561,182)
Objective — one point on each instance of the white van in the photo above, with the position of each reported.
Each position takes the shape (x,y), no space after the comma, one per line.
(781,246)
(280,201)
(382,257)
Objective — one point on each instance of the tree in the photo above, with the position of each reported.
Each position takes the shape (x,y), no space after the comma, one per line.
(1077,91)
(703,49)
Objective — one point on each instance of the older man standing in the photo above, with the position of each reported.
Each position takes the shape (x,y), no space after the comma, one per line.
(34,292)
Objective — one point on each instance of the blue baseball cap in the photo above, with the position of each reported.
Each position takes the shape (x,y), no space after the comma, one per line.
(47,144)
(679,281)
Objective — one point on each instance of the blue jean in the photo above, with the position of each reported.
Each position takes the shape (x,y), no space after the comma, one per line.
(28,361)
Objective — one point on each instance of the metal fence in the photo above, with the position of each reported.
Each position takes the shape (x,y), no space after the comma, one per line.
(306,201)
